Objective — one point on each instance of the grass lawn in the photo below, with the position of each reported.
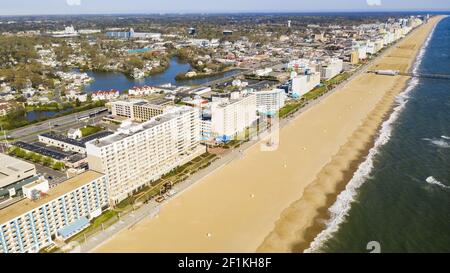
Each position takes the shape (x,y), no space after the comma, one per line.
(90,130)
(289,108)
(316,92)
(95,223)
(338,79)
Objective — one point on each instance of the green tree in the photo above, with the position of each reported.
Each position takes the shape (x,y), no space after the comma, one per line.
(29,155)
(59,165)
(36,158)
(47,161)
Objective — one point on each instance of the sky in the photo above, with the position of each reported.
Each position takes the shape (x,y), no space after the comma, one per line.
(27,7)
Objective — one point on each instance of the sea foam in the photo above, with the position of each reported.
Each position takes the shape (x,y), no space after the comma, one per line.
(434,181)
(438,142)
(340,209)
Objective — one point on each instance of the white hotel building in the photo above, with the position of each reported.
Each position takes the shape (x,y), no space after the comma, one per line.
(229,117)
(139,110)
(138,154)
(302,84)
(331,68)
(59,213)
(269,102)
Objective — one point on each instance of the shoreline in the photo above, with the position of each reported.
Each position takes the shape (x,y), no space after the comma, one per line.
(305,150)
(323,226)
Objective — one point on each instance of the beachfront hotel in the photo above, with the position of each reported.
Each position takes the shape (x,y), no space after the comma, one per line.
(269,102)
(230,116)
(331,68)
(138,110)
(48,215)
(139,153)
(303,83)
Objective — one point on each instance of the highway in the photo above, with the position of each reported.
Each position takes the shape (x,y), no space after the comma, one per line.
(64,121)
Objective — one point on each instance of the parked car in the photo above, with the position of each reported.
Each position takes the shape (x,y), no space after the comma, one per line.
(160,199)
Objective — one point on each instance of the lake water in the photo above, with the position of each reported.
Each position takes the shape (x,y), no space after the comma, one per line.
(37,115)
(119,81)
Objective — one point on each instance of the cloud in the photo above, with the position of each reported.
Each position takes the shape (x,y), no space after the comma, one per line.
(73,2)
(373,3)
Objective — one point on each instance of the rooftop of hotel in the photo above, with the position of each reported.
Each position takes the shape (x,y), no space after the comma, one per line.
(235,100)
(27,205)
(81,142)
(139,127)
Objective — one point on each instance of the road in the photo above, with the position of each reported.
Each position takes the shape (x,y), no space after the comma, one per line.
(46,125)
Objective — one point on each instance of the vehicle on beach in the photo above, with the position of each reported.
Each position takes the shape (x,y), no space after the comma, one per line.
(160,199)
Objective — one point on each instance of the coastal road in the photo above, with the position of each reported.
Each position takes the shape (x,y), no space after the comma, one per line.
(46,125)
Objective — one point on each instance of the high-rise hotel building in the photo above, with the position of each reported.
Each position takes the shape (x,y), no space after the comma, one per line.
(138,154)
(51,214)
(139,110)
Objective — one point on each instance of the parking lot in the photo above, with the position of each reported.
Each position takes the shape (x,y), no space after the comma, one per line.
(53,176)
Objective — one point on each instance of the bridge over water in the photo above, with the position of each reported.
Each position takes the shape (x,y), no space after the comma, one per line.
(426,75)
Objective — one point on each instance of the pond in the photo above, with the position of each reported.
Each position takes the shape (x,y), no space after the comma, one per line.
(38,115)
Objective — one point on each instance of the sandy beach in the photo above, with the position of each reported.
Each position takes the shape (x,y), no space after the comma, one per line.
(276,201)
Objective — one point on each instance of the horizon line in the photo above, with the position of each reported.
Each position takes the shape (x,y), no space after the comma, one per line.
(227,12)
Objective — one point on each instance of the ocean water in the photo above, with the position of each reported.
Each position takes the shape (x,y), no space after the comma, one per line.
(400,195)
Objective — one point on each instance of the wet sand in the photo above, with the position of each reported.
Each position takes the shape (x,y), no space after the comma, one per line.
(237,208)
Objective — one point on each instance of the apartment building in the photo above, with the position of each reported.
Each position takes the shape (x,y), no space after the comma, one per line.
(269,102)
(231,117)
(123,108)
(302,84)
(57,214)
(331,68)
(138,154)
(139,110)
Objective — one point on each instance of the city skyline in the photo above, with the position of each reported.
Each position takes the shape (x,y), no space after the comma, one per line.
(54,7)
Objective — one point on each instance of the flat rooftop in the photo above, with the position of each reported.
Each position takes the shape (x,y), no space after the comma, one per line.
(140,127)
(64,139)
(9,164)
(27,205)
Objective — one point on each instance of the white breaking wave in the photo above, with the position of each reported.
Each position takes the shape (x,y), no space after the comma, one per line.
(339,210)
(445,137)
(434,181)
(438,142)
